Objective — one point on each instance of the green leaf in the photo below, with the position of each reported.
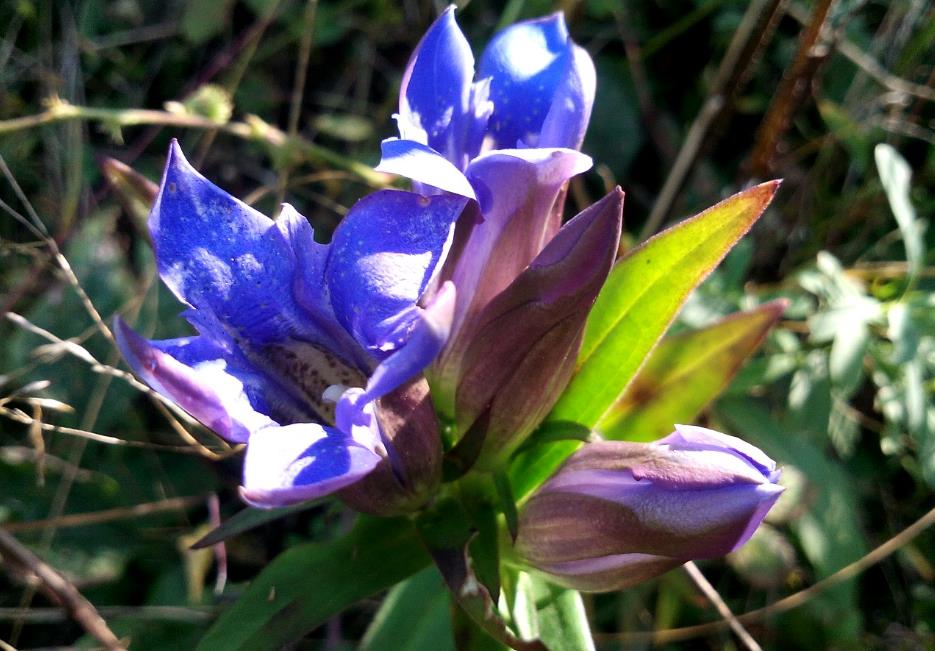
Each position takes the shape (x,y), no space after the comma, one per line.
(246,520)
(640,299)
(895,175)
(309,583)
(415,616)
(554,614)
(684,373)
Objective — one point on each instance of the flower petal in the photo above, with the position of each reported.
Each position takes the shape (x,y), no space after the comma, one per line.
(202,378)
(427,334)
(300,462)
(423,165)
(614,572)
(516,190)
(527,338)
(436,90)
(531,66)
(383,256)
(568,117)
(220,256)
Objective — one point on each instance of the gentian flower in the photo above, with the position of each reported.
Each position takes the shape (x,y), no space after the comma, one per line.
(509,142)
(300,345)
(618,513)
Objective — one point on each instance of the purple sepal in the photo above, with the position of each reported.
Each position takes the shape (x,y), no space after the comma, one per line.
(411,471)
(522,355)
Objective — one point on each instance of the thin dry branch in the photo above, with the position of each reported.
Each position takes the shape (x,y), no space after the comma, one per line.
(108,515)
(59,589)
(791,602)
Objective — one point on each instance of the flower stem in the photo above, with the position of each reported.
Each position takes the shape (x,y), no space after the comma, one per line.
(251,128)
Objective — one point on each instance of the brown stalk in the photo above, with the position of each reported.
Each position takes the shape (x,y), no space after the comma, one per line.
(60,590)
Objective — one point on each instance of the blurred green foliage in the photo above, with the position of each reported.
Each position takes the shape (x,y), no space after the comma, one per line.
(842,393)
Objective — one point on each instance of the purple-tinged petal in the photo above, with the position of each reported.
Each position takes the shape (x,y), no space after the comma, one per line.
(383,256)
(616,499)
(436,90)
(427,334)
(692,437)
(295,463)
(202,378)
(424,166)
(220,256)
(568,117)
(516,190)
(532,65)
(607,573)
(523,352)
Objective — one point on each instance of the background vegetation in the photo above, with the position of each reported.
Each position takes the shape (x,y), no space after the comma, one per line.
(288,99)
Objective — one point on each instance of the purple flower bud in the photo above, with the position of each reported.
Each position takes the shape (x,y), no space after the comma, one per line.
(618,513)
(521,350)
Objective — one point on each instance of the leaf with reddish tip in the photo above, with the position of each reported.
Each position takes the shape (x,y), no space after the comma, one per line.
(643,293)
(685,372)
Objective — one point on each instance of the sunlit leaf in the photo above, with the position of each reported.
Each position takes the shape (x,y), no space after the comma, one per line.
(684,373)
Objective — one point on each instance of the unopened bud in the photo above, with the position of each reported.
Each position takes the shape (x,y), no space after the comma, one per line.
(618,513)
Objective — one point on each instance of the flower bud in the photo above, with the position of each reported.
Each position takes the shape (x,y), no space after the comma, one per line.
(523,351)
(411,470)
(618,513)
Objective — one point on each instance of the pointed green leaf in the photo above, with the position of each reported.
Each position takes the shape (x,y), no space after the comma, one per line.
(309,583)
(684,373)
(643,294)
(248,519)
(640,299)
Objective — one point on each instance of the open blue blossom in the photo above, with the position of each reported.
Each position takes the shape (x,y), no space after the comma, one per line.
(287,327)
(506,137)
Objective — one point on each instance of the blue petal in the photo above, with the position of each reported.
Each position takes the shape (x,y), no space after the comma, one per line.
(528,64)
(383,256)
(423,165)
(427,334)
(568,117)
(201,377)
(300,462)
(436,89)
(222,257)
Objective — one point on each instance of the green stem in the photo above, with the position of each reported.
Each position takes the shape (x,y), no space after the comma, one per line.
(251,128)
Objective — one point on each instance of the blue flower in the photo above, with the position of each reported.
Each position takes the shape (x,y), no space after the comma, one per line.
(509,141)
(293,334)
